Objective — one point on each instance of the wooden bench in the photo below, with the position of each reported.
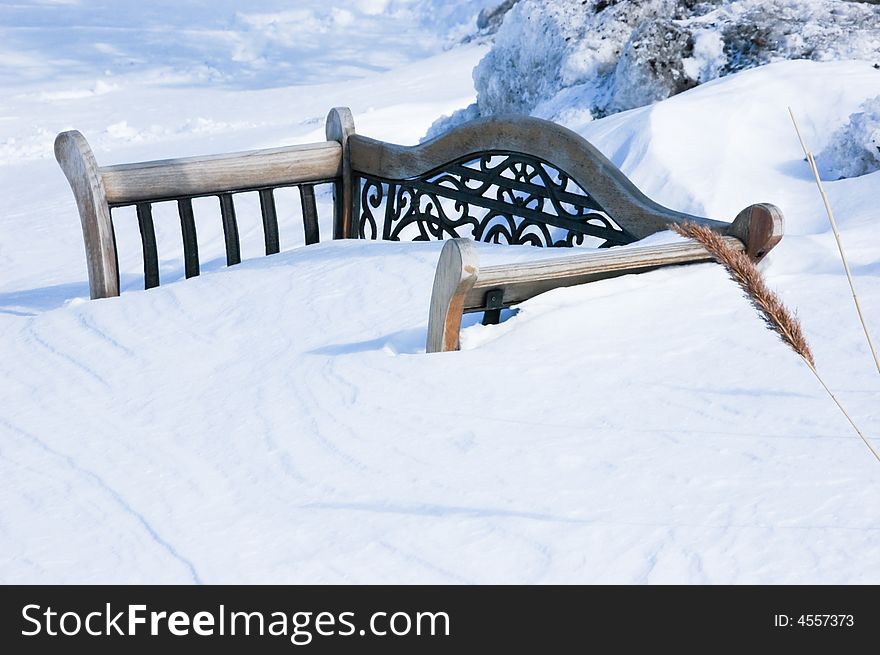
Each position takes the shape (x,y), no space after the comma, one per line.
(514,180)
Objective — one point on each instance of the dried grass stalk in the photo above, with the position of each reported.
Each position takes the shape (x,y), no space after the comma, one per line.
(749,278)
(769,306)
(852,285)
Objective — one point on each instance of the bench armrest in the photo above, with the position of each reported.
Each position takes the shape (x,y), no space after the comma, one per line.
(460,285)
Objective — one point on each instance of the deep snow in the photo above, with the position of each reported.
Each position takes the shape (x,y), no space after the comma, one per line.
(277,422)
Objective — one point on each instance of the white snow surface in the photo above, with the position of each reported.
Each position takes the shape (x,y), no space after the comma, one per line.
(279,421)
(854,148)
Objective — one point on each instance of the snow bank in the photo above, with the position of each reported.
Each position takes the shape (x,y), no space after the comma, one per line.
(854,148)
(616,55)
(278,422)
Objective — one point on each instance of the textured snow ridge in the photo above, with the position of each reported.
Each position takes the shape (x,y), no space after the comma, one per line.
(608,56)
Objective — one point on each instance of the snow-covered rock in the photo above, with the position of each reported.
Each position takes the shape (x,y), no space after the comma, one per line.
(854,148)
(651,66)
(622,54)
(491,17)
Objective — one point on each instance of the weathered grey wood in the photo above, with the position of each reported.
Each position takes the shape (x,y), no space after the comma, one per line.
(78,163)
(310,213)
(270,221)
(460,285)
(558,146)
(346,199)
(195,176)
(230,229)
(523,281)
(457,270)
(190,238)
(760,227)
(148,244)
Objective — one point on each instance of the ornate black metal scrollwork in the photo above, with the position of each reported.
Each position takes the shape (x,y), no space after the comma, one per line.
(499,197)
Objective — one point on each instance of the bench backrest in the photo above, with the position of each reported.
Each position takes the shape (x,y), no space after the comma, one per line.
(101,189)
(514,180)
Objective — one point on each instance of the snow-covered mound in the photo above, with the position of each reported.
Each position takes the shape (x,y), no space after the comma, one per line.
(279,422)
(854,148)
(599,57)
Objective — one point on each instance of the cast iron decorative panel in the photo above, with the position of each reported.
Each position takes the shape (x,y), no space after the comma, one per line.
(498,197)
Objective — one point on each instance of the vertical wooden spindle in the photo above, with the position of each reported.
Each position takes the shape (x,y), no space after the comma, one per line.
(148,242)
(230,229)
(190,241)
(270,221)
(310,212)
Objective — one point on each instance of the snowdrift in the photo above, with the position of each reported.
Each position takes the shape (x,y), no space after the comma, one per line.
(277,421)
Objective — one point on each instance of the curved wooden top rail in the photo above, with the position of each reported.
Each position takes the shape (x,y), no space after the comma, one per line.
(209,175)
(78,163)
(558,146)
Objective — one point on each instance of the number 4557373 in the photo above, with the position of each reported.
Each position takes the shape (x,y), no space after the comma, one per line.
(814,621)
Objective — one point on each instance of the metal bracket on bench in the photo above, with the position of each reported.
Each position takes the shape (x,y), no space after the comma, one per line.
(494,303)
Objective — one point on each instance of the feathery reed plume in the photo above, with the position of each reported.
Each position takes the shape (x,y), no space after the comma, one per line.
(771,309)
(749,278)
(852,287)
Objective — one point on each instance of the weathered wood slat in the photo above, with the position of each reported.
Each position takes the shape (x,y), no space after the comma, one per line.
(456,273)
(346,198)
(148,243)
(563,149)
(460,285)
(270,221)
(523,281)
(230,229)
(310,213)
(170,179)
(81,170)
(190,239)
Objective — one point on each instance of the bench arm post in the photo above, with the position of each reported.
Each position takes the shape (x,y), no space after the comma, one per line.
(346,197)
(457,271)
(78,163)
(760,227)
